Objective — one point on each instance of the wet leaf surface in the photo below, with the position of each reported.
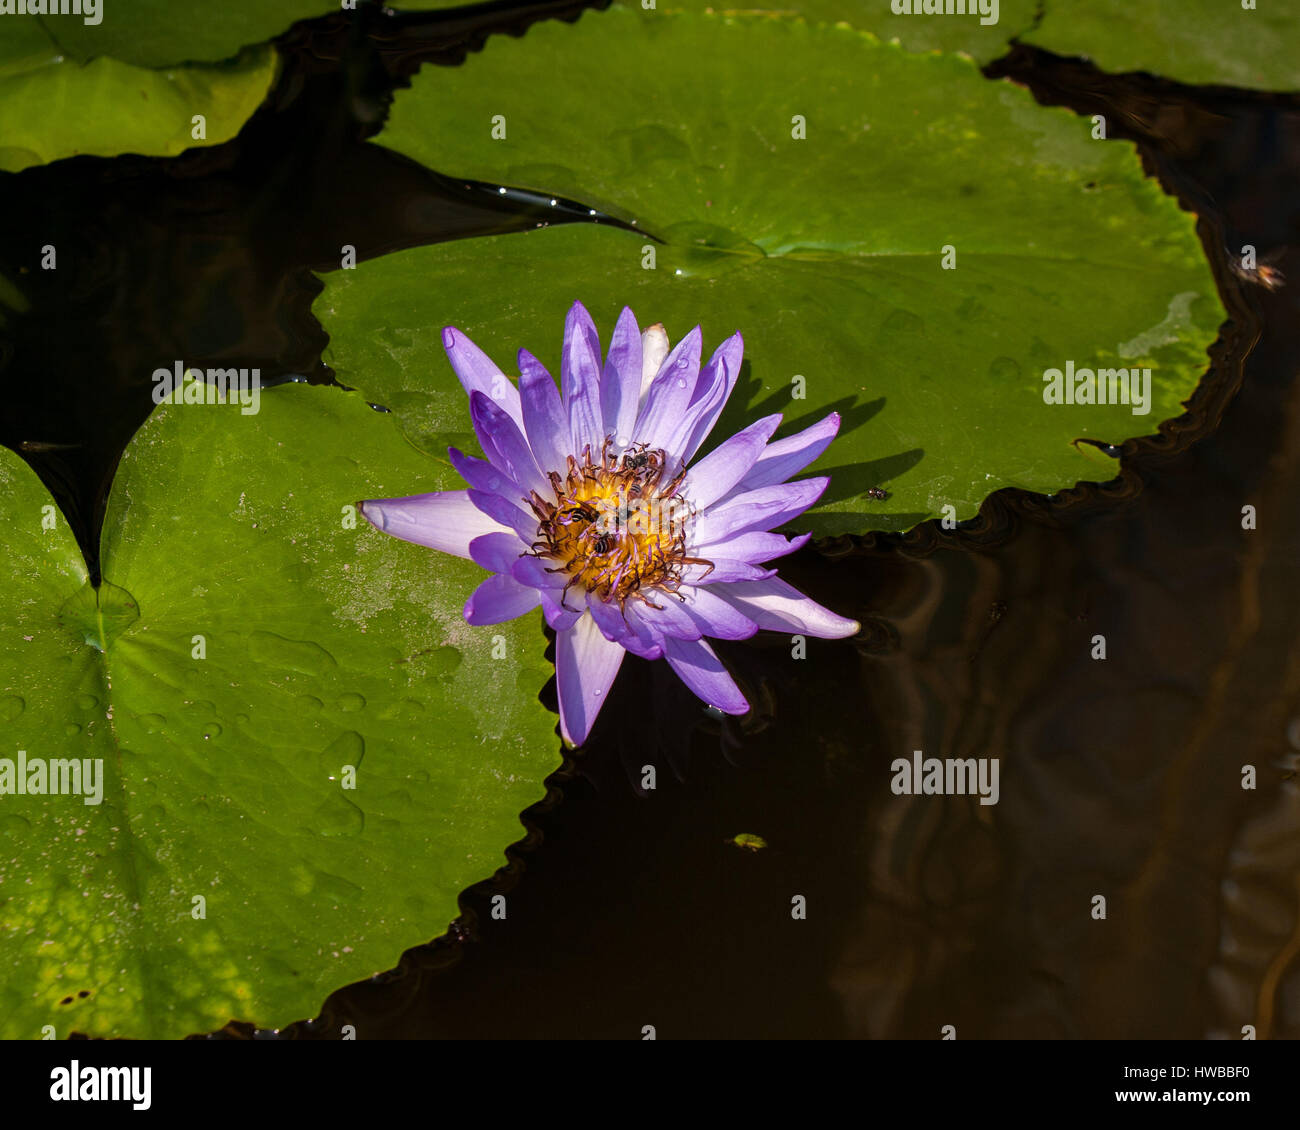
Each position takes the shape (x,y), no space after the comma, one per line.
(251,644)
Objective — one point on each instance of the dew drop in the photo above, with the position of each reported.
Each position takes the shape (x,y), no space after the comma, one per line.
(904,322)
(303,656)
(621,441)
(1005,369)
(13,825)
(349,748)
(338,817)
(681,382)
(442,661)
(494,483)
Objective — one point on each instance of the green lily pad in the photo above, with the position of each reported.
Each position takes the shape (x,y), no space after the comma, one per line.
(323,645)
(25,45)
(160,33)
(52,107)
(826,252)
(1193,41)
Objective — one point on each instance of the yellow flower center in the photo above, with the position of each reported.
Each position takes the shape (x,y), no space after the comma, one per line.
(616,528)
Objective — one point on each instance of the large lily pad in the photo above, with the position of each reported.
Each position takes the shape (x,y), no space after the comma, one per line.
(1193,41)
(52,107)
(825,252)
(325,646)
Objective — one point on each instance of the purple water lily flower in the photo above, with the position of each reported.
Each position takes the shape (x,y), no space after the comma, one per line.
(588,504)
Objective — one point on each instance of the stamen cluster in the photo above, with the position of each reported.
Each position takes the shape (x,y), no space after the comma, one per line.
(616,527)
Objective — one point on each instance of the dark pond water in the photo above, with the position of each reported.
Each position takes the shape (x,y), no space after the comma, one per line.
(628,909)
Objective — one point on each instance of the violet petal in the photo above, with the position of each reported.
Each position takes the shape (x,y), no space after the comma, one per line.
(756,547)
(714,475)
(496,552)
(444,520)
(505,513)
(479,373)
(670,393)
(712,391)
(545,421)
(586,664)
(757,510)
(609,619)
(504,443)
(701,670)
(580,381)
(500,598)
(783,608)
(717,617)
(791,455)
(620,383)
(484,475)
(724,572)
